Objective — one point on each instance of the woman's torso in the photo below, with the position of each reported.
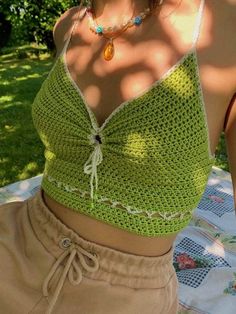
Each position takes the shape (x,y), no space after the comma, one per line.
(134,68)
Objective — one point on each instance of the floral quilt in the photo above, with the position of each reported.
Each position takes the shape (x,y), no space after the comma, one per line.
(204,252)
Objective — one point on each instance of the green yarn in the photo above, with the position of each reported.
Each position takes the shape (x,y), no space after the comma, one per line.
(153,150)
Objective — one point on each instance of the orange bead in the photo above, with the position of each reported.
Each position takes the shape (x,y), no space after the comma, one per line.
(109,51)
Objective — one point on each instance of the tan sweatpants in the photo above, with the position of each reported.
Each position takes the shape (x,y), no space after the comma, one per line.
(45,267)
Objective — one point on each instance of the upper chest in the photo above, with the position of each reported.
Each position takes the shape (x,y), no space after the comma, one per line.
(145,55)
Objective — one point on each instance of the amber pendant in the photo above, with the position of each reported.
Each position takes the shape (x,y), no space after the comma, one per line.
(109,50)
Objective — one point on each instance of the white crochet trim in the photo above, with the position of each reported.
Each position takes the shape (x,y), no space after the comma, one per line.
(114,204)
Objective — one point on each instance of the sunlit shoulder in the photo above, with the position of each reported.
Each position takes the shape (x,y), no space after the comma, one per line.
(63,25)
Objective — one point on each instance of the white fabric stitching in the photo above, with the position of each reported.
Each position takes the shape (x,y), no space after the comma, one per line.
(114,204)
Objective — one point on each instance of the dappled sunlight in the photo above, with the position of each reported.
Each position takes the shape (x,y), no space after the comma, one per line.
(21,78)
(119,55)
(136,88)
(13,66)
(49,155)
(215,85)
(8,56)
(30,168)
(44,56)
(180,23)
(135,146)
(135,73)
(24,185)
(26,66)
(86,58)
(184,24)
(20,81)
(101,68)
(5,83)
(48,64)
(10,104)
(134,84)
(186,80)
(10,128)
(183,21)
(6,98)
(201,173)
(160,57)
(167,41)
(4,160)
(92,95)
(216,248)
(35,75)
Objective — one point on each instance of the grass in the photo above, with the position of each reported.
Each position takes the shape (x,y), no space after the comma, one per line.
(22,71)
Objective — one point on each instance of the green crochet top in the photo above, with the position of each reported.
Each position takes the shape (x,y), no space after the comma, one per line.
(145,169)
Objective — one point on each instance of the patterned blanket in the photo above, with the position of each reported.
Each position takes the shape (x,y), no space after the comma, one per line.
(205,251)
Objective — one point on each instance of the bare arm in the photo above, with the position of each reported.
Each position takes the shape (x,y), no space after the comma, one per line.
(230,119)
(230,135)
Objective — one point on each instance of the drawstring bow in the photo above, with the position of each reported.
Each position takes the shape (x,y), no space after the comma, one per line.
(71,269)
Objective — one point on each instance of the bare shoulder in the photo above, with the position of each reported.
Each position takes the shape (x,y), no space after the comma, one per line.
(63,26)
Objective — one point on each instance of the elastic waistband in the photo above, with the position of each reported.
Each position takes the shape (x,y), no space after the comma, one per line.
(114,266)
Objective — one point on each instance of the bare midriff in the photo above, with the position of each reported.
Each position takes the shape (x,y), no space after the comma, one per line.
(101,233)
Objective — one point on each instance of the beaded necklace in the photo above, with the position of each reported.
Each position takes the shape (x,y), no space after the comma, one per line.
(113,32)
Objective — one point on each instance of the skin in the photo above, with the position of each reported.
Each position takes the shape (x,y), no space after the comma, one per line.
(168,34)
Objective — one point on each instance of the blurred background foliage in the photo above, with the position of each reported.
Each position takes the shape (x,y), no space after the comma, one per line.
(25,21)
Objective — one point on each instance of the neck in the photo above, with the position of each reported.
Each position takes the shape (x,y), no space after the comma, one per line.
(112,12)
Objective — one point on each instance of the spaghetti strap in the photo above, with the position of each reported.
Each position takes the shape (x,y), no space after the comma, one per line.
(198,23)
(79,16)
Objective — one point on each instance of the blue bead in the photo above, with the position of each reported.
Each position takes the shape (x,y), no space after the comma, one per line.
(137,20)
(99,29)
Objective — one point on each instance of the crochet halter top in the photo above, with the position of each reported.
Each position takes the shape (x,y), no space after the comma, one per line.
(146,167)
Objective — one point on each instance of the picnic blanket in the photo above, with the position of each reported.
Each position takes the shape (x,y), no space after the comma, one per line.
(204,252)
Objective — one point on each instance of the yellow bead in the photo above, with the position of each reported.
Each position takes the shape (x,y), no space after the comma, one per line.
(108,51)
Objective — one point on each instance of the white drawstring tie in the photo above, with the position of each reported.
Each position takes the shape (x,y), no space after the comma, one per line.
(95,158)
(71,268)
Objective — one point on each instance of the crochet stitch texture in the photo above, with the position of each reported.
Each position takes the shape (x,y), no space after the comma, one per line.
(152,158)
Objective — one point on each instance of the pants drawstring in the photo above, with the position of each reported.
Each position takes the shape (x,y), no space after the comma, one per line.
(72,269)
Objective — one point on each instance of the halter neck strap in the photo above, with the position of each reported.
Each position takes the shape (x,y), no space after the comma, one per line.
(198,23)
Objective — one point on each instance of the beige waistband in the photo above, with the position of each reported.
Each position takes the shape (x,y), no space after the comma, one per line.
(122,266)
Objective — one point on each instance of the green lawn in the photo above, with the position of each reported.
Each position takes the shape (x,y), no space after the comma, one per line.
(21,151)
(22,71)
